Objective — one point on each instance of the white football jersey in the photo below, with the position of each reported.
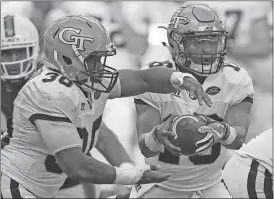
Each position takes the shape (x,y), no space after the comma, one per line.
(226,88)
(28,159)
(260,149)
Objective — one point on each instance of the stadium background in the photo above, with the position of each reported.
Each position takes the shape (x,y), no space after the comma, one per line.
(133,28)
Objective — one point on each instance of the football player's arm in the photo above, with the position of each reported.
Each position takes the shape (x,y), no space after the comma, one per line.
(69,155)
(157,80)
(63,141)
(109,145)
(148,122)
(231,133)
(238,118)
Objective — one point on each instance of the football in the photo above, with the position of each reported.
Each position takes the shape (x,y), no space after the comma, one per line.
(186,127)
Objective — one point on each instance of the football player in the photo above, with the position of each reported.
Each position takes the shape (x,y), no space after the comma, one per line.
(109,15)
(251,167)
(197,42)
(18,60)
(23,51)
(58,112)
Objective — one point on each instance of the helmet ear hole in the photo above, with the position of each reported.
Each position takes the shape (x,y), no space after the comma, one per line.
(67,60)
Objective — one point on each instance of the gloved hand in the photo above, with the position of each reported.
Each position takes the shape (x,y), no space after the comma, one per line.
(215,132)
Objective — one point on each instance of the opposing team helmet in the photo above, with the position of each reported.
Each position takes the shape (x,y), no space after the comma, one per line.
(19,47)
(197,39)
(73,40)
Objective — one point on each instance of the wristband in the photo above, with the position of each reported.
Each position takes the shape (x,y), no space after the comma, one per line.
(128,176)
(177,79)
(126,165)
(151,142)
(231,136)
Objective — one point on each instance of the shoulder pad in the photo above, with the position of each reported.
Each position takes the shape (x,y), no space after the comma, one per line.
(236,74)
(55,85)
(166,63)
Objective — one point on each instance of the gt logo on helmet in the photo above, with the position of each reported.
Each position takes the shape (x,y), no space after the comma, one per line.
(76,40)
(175,21)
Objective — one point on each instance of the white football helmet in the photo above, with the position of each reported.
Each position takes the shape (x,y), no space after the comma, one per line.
(19,47)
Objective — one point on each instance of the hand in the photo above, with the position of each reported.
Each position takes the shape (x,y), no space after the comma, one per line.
(196,91)
(216,132)
(164,132)
(123,191)
(153,176)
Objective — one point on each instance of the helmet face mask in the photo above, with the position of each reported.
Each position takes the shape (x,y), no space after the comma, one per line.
(96,73)
(197,39)
(19,47)
(80,52)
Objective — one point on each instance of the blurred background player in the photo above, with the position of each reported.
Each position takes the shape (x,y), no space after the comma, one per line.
(35,11)
(197,43)
(252,169)
(19,53)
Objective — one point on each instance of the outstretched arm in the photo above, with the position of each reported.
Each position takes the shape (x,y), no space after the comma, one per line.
(158,80)
(112,149)
(109,145)
(83,168)
(238,118)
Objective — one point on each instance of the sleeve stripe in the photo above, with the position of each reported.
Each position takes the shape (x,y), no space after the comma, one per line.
(48,117)
(248,99)
(139,101)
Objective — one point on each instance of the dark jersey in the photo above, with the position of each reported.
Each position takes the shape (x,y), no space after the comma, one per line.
(9,91)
